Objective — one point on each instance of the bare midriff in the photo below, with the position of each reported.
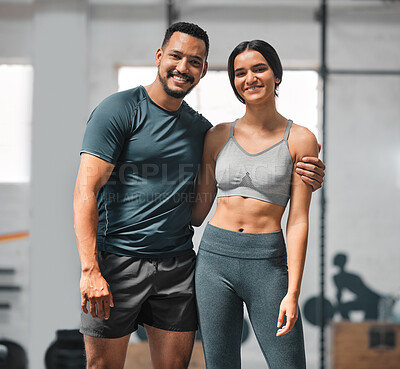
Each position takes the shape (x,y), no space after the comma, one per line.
(245,214)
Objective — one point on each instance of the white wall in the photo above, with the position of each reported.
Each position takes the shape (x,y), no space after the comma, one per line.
(60,104)
(76,48)
(16,32)
(14,254)
(363,145)
(15,47)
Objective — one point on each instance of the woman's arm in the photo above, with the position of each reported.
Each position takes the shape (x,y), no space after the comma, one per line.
(206,186)
(302,143)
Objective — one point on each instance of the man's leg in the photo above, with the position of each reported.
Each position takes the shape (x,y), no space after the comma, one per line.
(168,349)
(106,353)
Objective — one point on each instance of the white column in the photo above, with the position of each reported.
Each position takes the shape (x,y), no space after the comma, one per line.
(59,115)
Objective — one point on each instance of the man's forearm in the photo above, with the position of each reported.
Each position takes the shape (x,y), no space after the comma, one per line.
(86,221)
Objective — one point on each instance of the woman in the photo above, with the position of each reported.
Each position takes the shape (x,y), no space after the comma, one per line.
(242,256)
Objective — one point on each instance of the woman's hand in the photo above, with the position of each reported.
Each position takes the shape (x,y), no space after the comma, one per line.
(289,308)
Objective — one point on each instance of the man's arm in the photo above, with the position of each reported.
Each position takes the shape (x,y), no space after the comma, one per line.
(312,171)
(93,174)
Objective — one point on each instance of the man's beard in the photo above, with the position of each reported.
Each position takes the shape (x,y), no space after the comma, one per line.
(172,93)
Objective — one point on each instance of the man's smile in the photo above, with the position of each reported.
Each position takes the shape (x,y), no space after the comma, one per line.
(180,77)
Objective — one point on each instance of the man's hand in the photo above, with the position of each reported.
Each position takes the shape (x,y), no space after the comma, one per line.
(312,171)
(96,291)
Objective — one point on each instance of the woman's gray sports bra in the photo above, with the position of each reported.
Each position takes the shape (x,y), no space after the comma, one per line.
(265,176)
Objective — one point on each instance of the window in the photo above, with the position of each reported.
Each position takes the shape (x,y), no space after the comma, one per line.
(16,83)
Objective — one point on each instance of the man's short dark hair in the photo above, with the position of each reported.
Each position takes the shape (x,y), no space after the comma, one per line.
(190,29)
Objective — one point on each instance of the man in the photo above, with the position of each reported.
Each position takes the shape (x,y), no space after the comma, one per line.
(132,207)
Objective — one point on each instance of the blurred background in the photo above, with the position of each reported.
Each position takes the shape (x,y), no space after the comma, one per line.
(341,58)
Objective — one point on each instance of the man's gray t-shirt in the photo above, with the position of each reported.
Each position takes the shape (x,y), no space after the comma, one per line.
(145,207)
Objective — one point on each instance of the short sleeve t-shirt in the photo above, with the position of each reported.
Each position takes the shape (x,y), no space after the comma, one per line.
(145,206)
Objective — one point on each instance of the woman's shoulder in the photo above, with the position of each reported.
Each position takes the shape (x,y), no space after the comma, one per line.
(216,137)
(220,128)
(219,132)
(300,134)
(302,140)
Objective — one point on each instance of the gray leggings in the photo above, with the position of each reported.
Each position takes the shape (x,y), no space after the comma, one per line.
(233,268)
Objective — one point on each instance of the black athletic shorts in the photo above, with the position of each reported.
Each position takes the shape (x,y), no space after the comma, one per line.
(158,292)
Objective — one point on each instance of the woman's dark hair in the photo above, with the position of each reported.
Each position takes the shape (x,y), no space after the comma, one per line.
(266,50)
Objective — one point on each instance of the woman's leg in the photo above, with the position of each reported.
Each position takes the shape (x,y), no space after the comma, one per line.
(220,310)
(266,281)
